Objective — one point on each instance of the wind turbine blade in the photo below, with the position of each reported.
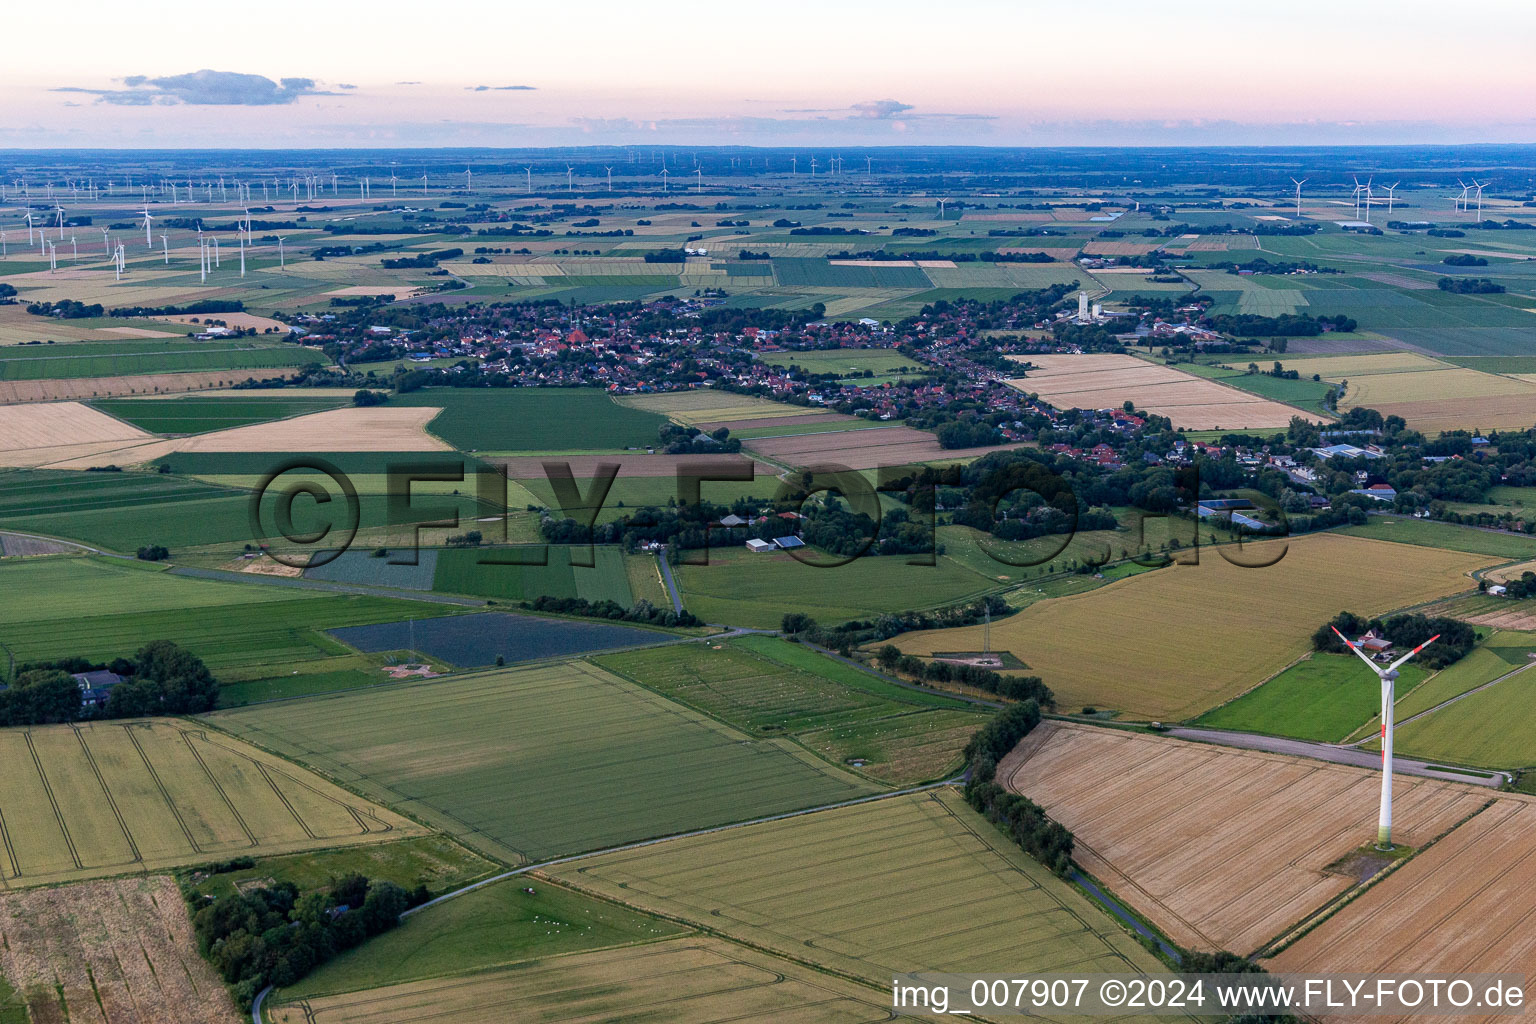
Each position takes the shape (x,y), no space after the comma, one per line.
(1358,652)
(1411,653)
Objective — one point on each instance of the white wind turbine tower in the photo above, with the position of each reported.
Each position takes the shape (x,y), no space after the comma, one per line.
(664,179)
(1369,196)
(569,181)
(1298,184)
(529,172)
(698,184)
(942,202)
(1388,677)
(60,211)
(106,243)
(1480,185)
(165,245)
(149,242)
(392,181)
(1358,189)
(469,178)
(610,178)
(281,260)
(423,184)
(29,228)
(1390,189)
(1461,200)
(794,167)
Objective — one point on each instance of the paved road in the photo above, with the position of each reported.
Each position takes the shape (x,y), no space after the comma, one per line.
(1329,752)
(666,576)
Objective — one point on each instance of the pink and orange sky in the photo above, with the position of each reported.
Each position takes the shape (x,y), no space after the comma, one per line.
(980,72)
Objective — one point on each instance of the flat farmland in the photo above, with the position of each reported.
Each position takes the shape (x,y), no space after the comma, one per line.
(1325,698)
(847,362)
(32,435)
(511,420)
(383,428)
(125,358)
(1465,904)
(1446,399)
(746,589)
(1221,848)
(769,687)
(1490,729)
(109,952)
(199,414)
(1252,622)
(510,573)
(83,801)
(918,882)
(532,763)
(692,980)
(1447,536)
(87,388)
(862,449)
(1108,381)
(709,406)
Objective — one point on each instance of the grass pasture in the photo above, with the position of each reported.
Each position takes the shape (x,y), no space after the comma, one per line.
(1446,536)
(1324,698)
(131,358)
(847,362)
(533,419)
(512,574)
(177,795)
(845,888)
(770,687)
(503,760)
(1129,645)
(1488,729)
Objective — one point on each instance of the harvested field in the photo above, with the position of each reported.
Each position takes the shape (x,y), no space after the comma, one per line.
(1466,904)
(1496,412)
(20,545)
(774,421)
(376,429)
(1349,367)
(97,799)
(32,435)
(1221,848)
(631,465)
(1108,381)
(86,388)
(918,882)
(862,449)
(692,980)
(109,952)
(241,321)
(1252,621)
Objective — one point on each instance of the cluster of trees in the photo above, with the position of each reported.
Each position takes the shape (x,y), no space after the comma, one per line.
(1463,259)
(967,433)
(1047,841)
(190,309)
(642,611)
(1405,631)
(365,398)
(154,553)
(1525,586)
(666,256)
(678,440)
(1013,687)
(161,679)
(1469,285)
(275,935)
(65,309)
(1292,325)
(421,261)
(844,636)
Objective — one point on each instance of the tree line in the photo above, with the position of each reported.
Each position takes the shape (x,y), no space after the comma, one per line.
(1049,842)
(161,679)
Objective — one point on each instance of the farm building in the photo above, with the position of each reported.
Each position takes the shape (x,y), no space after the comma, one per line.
(788,543)
(95,687)
(757,547)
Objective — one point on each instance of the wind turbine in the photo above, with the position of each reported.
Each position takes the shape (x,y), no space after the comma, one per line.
(941,208)
(1388,677)
(569,181)
(149,242)
(1299,183)
(165,244)
(698,185)
(1461,200)
(529,172)
(1390,189)
(423,184)
(60,210)
(281,261)
(1358,189)
(392,180)
(106,242)
(1369,195)
(664,178)
(29,228)
(610,178)
(469,178)
(1479,185)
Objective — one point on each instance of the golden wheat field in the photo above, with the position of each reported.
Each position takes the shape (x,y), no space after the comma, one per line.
(1468,903)
(1108,381)
(60,425)
(692,980)
(918,882)
(86,388)
(1174,642)
(83,801)
(1221,848)
(109,952)
(690,407)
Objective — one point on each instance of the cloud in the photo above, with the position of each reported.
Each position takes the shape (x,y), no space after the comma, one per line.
(407,83)
(205,88)
(345,85)
(879,109)
(501,88)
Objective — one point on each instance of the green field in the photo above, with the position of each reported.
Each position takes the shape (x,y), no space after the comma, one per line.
(1501,653)
(534,419)
(1324,698)
(534,763)
(121,358)
(917,882)
(473,571)
(102,609)
(848,362)
(435,861)
(498,924)
(745,589)
(196,414)
(1430,534)
(1492,728)
(770,687)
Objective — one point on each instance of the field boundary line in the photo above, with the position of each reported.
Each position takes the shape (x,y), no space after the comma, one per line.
(164,793)
(53,802)
(90,759)
(186,737)
(643,843)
